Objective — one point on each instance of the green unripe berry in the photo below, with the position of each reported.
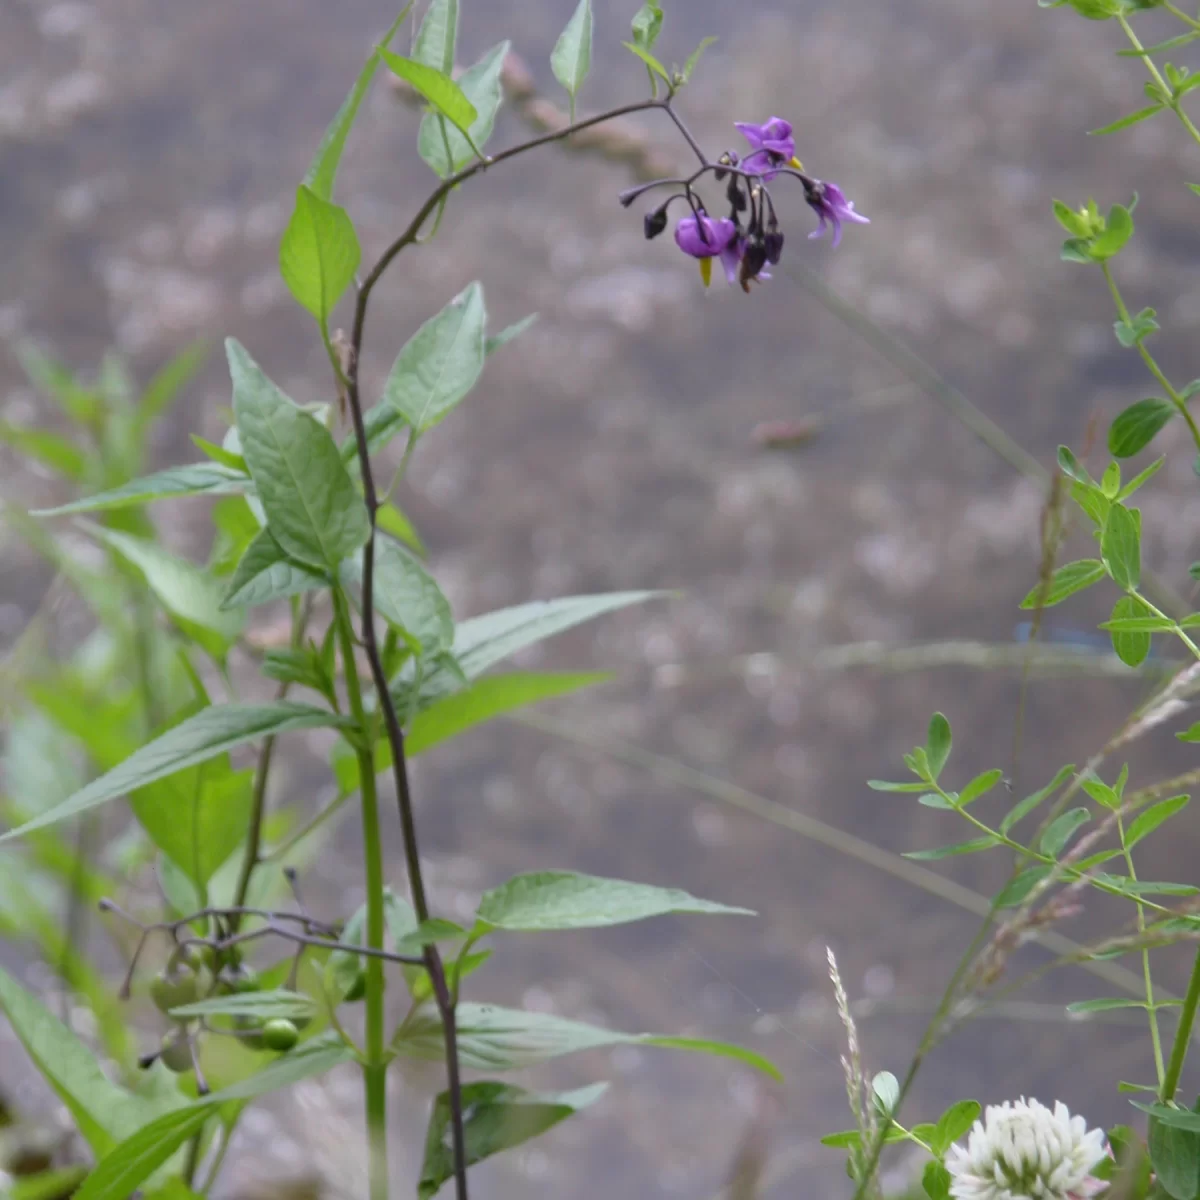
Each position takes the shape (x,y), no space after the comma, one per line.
(176,1052)
(357,990)
(280,1034)
(173,989)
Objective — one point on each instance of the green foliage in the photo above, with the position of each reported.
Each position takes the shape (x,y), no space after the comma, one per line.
(1135,428)
(572,55)
(319,253)
(442,146)
(443,94)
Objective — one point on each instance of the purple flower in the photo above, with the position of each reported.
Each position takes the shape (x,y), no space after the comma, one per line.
(771,145)
(706,239)
(832,208)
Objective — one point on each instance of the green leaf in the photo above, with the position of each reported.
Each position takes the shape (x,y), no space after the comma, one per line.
(437,87)
(980,786)
(186,591)
(441,363)
(1061,830)
(119,1174)
(1075,223)
(1130,645)
(276,1002)
(57,382)
(313,1057)
(693,59)
(218,454)
(884,785)
(1138,480)
(1147,821)
(1118,230)
(1120,547)
(953,1123)
(967,847)
(487,698)
(1099,791)
(572,54)
(210,732)
(198,817)
(565,900)
(319,253)
(937,747)
(936,1179)
(647,24)
(1135,428)
(168,382)
(1174,1149)
(1138,623)
(103,1112)
(50,449)
(445,149)
(265,573)
(391,520)
(312,505)
(1018,888)
(496,1117)
(323,169)
(1070,465)
(437,36)
(1133,118)
(492,1038)
(191,480)
(648,58)
(406,595)
(1066,581)
(1191,734)
(1176,1118)
(886,1089)
(1104,1004)
(495,341)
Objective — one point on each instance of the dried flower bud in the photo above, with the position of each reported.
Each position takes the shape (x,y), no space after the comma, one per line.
(655,222)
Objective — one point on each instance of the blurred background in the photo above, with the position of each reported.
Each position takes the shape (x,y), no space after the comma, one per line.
(148,158)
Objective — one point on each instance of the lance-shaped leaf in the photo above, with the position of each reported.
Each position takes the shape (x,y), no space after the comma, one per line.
(319,253)
(497,1117)
(323,169)
(443,147)
(50,449)
(565,900)
(210,732)
(437,87)
(312,506)
(492,1038)
(265,573)
(276,1002)
(192,480)
(436,38)
(440,364)
(572,55)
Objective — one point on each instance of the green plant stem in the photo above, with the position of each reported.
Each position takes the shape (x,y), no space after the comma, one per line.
(1151,1011)
(1169,98)
(1183,1035)
(1181,15)
(1148,358)
(374,1062)
(1178,631)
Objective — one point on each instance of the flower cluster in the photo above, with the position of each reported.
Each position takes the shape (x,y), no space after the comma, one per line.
(1023,1151)
(749,239)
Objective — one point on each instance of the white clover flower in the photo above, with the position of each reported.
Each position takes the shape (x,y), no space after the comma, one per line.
(1023,1151)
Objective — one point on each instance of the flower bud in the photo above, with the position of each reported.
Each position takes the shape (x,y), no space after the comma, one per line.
(655,222)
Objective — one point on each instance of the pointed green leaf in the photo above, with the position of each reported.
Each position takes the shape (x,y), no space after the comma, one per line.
(1135,428)
(319,253)
(119,1174)
(1120,546)
(1024,807)
(967,847)
(191,480)
(1018,888)
(495,341)
(273,1002)
(487,698)
(265,573)
(496,1117)
(883,785)
(938,742)
(443,147)
(647,24)
(406,595)
(437,87)
(168,382)
(1131,646)
(1146,822)
(936,1178)
(980,786)
(565,900)
(1118,230)
(323,170)
(210,732)
(572,55)
(186,591)
(693,59)
(717,1049)
(50,449)
(391,520)
(648,58)
(953,1123)
(1133,118)
(1066,581)
(218,454)
(312,506)
(441,362)
(1173,1139)
(437,36)
(1061,830)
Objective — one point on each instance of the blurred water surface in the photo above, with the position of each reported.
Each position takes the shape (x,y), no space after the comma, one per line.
(148,152)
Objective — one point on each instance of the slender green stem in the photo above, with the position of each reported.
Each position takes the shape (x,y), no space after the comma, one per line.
(1167,91)
(1183,1035)
(1178,631)
(1148,358)
(1181,15)
(375,1063)
(1151,1011)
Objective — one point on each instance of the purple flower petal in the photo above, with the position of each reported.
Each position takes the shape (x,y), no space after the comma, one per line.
(707,241)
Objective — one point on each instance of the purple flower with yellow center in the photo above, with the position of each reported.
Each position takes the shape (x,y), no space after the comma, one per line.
(771,145)
(703,238)
(829,202)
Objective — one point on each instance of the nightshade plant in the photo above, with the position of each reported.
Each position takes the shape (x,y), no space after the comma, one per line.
(301,517)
